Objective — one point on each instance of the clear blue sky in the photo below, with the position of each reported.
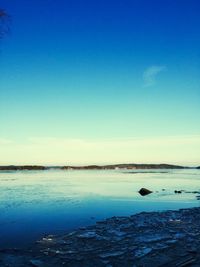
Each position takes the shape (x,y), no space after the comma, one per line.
(100,81)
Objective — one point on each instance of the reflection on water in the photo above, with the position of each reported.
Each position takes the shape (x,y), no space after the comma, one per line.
(35,203)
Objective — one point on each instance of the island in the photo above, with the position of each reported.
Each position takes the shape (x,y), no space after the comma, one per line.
(130,166)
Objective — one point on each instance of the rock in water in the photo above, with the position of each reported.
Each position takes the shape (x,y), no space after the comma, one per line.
(178,191)
(144,192)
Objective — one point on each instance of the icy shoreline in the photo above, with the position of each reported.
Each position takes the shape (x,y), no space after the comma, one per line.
(169,238)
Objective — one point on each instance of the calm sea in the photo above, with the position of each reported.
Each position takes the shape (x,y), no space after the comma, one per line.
(37,203)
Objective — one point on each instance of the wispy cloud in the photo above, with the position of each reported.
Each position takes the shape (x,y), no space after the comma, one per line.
(150,74)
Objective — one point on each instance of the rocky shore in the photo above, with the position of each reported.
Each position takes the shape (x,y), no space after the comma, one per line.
(168,239)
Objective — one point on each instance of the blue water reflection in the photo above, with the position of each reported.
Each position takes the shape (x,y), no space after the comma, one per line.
(36,203)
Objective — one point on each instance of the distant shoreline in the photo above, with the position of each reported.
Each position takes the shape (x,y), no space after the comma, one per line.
(131,166)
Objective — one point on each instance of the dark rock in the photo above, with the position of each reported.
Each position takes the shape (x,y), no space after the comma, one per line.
(177,191)
(192,192)
(144,192)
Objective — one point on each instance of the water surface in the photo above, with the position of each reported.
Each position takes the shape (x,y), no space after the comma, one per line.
(36,203)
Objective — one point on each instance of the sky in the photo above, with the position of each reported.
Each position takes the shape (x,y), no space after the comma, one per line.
(96,82)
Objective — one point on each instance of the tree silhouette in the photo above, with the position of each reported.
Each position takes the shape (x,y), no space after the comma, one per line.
(4,22)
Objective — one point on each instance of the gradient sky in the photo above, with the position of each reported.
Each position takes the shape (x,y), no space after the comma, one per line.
(85,82)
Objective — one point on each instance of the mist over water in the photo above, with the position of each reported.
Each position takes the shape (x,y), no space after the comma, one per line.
(37,203)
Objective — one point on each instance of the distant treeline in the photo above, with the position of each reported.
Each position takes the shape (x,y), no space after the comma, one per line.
(95,167)
(25,167)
